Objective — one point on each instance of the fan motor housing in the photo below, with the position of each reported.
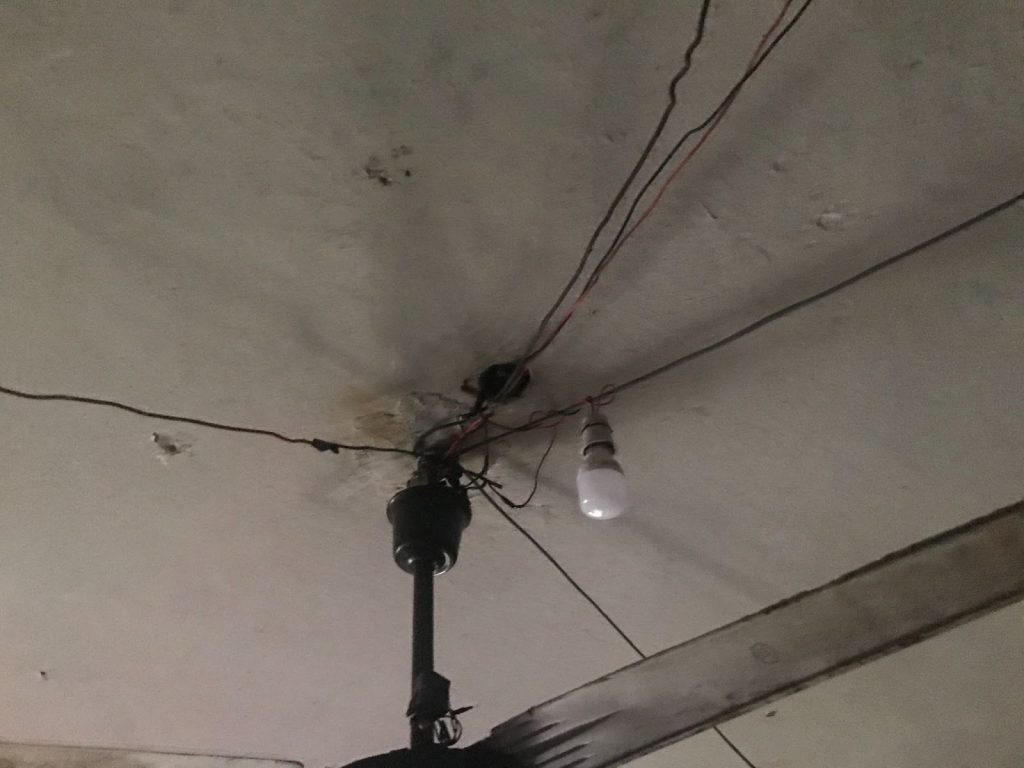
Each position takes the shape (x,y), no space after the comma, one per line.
(427,522)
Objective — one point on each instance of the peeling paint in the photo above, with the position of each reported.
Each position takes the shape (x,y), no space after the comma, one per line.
(172,444)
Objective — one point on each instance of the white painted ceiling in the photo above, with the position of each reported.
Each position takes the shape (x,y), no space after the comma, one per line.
(193,221)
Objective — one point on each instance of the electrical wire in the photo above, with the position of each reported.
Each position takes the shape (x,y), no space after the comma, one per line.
(594,604)
(761,52)
(736,750)
(711,122)
(719,114)
(565,574)
(816,297)
(534,423)
(536,472)
(481,480)
(659,129)
(316,442)
(520,365)
(419,445)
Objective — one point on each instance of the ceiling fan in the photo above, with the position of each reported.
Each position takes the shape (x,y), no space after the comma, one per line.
(889,604)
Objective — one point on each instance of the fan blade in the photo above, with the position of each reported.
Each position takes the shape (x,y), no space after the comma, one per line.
(40,756)
(894,602)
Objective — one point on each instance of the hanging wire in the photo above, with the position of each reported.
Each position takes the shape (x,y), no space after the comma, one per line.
(535,423)
(708,125)
(316,442)
(565,574)
(659,128)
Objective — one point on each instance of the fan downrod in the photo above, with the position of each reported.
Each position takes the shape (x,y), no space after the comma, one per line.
(427,519)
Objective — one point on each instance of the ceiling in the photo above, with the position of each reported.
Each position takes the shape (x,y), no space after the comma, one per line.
(319,217)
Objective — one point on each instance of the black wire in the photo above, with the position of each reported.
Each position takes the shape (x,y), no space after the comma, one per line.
(575,585)
(815,297)
(540,466)
(715,345)
(480,479)
(733,747)
(658,130)
(481,476)
(315,442)
(772,317)
(530,424)
(613,248)
(418,445)
(724,104)
(594,604)
(478,406)
(536,474)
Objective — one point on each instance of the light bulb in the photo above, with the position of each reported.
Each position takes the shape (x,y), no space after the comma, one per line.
(600,483)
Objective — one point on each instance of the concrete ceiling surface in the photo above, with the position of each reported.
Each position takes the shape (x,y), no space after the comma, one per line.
(320,217)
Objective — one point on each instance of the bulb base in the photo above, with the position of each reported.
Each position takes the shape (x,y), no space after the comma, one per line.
(596,433)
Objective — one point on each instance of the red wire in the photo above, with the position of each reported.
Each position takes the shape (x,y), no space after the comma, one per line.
(474,425)
(707,133)
(661,191)
(479,421)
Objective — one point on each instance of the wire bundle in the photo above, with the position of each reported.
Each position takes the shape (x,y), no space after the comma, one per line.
(472,426)
(473,422)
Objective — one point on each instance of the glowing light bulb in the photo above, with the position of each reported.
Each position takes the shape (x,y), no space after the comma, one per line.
(600,483)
